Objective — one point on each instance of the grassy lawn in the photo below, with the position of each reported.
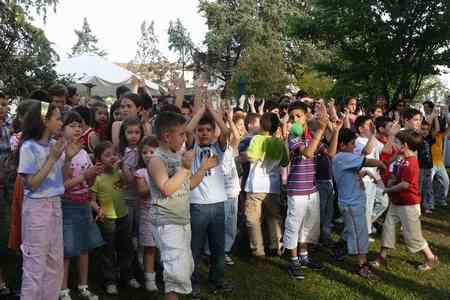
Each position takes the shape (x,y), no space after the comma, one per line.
(268,279)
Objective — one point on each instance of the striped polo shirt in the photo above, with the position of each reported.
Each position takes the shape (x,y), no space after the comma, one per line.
(301,180)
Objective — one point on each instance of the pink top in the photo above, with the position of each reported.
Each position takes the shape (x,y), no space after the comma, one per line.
(143,173)
(79,164)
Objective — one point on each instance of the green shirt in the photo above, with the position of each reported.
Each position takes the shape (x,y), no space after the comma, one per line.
(108,188)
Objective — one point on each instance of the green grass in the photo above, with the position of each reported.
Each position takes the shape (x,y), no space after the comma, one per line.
(268,279)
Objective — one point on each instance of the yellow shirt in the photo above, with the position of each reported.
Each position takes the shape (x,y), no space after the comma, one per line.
(437,150)
(108,188)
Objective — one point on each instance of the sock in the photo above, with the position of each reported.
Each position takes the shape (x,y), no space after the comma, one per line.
(149,276)
(294,258)
(64,292)
(303,253)
(82,287)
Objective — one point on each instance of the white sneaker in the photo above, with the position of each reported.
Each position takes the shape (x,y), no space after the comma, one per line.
(228,260)
(85,294)
(64,295)
(150,285)
(134,283)
(111,289)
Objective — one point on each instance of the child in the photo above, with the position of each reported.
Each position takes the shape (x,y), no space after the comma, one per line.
(100,124)
(58,98)
(146,229)
(267,154)
(113,214)
(169,186)
(302,224)
(131,134)
(80,232)
(130,107)
(352,199)
(405,205)
(44,168)
(208,198)
(89,137)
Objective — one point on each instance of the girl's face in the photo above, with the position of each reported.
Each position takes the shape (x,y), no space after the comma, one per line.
(72,131)
(4,108)
(117,115)
(133,135)
(147,153)
(377,113)
(351,106)
(109,157)
(241,126)
(101,115)
(54,123)
(128,109)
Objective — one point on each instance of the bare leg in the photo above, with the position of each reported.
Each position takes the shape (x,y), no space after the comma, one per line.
(429,256)
(83,268)
(149,259)
(66,273)
(171,296)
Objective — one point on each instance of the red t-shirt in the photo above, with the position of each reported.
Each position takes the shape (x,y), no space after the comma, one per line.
(386,158)
(408,171)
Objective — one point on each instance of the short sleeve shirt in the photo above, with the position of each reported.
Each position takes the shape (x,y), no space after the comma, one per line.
(143,173)
(349,184)
(360,144)
(79,164)
(408,171)
(108,188)
(33,156)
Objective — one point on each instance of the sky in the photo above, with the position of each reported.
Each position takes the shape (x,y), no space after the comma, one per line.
(116,24)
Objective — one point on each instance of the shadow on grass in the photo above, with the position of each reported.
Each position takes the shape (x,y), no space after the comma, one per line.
(436,227)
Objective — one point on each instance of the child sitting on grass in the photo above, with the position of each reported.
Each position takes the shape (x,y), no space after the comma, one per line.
(405,205)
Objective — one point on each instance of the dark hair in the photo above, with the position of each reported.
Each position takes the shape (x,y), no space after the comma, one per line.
(301,94)
(443,123)
(146,99)
(298,105)
(100,148)
(346,135)
(250,118)
(33,123)
(57,90)
(150,141)
(348,99)
(85,113)
(207,119)
(360,120)
(381,122)
(122,90)
(94,107)
(72,116)
(270,122)
(71,91)
(166,121)
(40,95)
(428,103)
(377,107)
(133,98)
(2,95)
(271,105)
(411,113)
(131,121)
(411,138)
(24,106)
(186,105)
(115,106)
(171,108)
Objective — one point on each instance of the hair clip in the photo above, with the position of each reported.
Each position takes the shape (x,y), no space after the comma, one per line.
(44,110)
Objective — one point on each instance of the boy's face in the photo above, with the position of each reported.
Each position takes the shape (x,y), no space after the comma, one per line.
(349,147)
(254,126)
(101,115)
(299,116)
(425,129)
(414,122)
(386,129)
(175,138)
(187,113)
(3,108)
(59,102)
(205,134)
(377,113)
(366,128)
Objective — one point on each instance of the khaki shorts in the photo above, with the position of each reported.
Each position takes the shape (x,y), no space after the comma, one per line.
(409,217)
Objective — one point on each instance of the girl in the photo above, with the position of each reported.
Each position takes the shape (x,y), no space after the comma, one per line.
(100,124)
(146,239)
(130,106)
(350,115)
(73,97)
(80,232)
(44,167)
(131,133)
(88,137)
(112,211)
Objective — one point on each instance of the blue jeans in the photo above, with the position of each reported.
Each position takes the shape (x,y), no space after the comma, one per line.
(440,177)
(326,193)
(208,224)
(231,210)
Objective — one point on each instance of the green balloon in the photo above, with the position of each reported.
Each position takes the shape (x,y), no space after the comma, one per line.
(297,130)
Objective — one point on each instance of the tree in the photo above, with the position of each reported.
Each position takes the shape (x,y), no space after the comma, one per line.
(180,42)
(239,28)
(87,42)
(26,55)
(380,47)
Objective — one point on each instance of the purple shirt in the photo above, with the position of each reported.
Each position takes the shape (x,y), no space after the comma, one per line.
(301,180)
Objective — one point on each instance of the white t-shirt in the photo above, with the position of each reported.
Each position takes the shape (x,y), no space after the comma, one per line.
(212,188)
(360,143)
(232,184)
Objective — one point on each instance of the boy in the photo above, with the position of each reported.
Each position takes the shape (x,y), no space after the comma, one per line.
(367,145)
(302,224)
(405,205)
(58,95)
(208,198)
(267,154)
(413,120)
(352,199)
(169,186)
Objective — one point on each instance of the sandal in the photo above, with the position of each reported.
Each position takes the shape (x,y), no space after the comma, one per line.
(429,264)
(379,262)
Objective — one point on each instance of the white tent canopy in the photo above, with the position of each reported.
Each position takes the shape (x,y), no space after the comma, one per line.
(102,76)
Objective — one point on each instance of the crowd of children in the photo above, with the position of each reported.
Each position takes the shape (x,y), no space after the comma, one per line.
(167,183)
